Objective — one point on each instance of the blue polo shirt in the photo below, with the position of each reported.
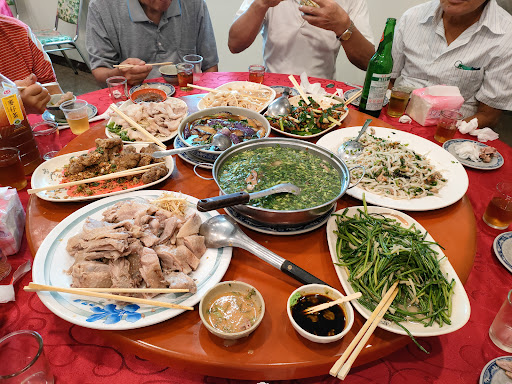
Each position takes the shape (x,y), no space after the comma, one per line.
(119,29)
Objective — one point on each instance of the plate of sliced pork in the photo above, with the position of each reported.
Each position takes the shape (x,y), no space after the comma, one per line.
(143,239)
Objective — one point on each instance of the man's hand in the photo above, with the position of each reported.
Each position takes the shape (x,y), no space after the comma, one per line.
(34,96)
(135,75)
(329,16)
(269,3)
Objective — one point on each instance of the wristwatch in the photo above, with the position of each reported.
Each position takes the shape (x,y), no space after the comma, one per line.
(348,32)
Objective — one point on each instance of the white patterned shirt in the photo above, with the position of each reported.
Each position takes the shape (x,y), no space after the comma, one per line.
(479,61)
(292,45)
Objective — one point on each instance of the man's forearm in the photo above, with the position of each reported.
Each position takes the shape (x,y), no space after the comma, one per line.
(358,49)
(244,30)
(101,74)
(215,68)
(487,116)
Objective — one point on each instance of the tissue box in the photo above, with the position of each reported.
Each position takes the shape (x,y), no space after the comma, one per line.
(12,221)
(427,103)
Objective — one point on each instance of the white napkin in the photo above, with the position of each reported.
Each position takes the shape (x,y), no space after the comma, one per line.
(483,135)
(312,89)
(467,150)
(7,291)
(404,119)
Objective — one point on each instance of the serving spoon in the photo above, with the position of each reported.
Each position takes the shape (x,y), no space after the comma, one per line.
(222,142)
(353,148)
(243,197)
(280,106)
(222,231)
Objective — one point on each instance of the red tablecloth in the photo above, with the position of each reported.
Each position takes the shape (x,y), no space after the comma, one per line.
(80,355)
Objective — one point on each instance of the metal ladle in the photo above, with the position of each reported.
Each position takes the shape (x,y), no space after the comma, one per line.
(280,106)
(222,142)
(231,199)
(222,231)
(353,148)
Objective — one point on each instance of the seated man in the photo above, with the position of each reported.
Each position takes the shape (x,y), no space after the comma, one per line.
(147,31)
(295,42)
(467,44)
(23,60)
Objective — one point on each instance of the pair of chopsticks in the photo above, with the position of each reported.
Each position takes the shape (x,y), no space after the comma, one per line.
(98,292)
(341,368)
(321,307)
(138,65)
(115,175)
(353,97)
(42,85)
(298,88)
(134,124)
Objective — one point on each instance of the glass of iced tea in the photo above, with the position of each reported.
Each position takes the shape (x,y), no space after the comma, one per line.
(447,125)
(256,73)
(11,169)
(77,115)
(499,211)
(185,75)
(398,101)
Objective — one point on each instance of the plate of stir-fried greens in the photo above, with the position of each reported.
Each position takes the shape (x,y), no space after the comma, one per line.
(305,121)
(372,247)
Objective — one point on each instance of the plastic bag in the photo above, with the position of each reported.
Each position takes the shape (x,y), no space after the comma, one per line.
(12,221)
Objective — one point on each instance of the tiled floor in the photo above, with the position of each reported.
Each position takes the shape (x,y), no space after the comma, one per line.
(84,82)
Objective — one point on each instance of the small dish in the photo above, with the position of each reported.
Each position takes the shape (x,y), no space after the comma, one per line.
(55,109)
(169,73)
(232,290)
(503,249)
(167,88)
(148,95)
(496,162)
(281,88)
(492,374)
(332,294)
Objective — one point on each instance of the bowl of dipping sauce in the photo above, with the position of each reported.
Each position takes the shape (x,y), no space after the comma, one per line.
(169,73)
(325,326)
(148,95)
(232,309)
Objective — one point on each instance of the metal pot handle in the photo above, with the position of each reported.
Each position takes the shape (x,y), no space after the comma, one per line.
(361,178)
(198,175)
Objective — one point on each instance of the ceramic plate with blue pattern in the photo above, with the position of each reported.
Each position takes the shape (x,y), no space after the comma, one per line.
(52,262)
(189,157)
(492,374)
(167,88)
(495,163)
(503,249)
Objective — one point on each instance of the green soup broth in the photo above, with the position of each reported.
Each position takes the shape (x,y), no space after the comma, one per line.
(262,168)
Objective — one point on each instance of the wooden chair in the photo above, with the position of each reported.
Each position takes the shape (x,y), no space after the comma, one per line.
(68,11)
(12,3)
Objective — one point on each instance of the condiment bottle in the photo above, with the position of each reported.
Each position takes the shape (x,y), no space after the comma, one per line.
(15,131)
(378,73)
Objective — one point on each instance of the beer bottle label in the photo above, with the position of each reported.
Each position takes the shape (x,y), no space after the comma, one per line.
(378,87)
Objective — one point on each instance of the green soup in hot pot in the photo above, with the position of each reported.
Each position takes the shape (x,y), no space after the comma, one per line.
(263,167)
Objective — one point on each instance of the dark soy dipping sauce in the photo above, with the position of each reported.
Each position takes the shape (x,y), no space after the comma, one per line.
(328,322)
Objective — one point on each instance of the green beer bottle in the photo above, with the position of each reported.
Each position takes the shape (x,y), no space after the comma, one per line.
(378,73)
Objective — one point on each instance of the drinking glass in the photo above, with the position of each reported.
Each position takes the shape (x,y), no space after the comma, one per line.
(11,169)
(447,125)
(256,73)
(500,331)
(47,139)
(118,88)
(499,211)
(398,101)
(196,61)
(185,75)
(76,113)
(23,359)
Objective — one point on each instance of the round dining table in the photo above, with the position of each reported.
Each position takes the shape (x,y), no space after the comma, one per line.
(181,350)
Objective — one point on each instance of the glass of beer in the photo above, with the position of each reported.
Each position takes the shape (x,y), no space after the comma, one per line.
(398,101)
(256,73)
(185,75)
(447,125)
(11,169)
(76,113)
(499,211)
